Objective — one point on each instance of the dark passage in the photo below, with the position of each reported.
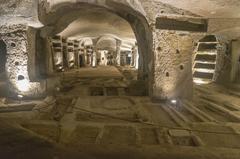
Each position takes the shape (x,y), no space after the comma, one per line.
(3,52)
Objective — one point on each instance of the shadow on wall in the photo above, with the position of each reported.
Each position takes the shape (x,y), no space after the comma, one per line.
(3,54)
(3,58)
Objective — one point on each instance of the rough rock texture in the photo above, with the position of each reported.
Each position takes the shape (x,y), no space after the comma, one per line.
(225,27)
(172,65)
(230,71)
(223,15)
(155,9)
(221,58)
(18,50)
(171,61)
(208,8)
(19,11)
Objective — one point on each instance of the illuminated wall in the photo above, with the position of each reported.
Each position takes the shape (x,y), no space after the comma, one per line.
(17,64)
(172,65)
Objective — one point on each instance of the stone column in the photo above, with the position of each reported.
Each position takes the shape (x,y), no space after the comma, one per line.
(133,57)
(235,71)
(19,50)
(118,52)
(76,53)
(85,56)
(82,54)
(94,59)
(94,55)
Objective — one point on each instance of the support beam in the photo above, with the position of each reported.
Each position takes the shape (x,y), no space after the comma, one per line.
(94,54)
(118,51)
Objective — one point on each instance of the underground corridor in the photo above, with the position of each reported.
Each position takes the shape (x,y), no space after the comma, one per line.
(96,55)
(119,79)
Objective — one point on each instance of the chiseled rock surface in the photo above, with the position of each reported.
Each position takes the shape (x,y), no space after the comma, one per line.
(18,52)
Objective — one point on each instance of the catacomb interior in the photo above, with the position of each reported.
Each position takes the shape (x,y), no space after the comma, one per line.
(119,79)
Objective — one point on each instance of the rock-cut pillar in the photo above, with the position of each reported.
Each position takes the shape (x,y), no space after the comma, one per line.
(20,54)
(118,52)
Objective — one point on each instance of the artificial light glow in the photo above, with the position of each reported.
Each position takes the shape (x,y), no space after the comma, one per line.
(71,64)
(174,101)
(204,70)
(137,61)
(94,60)
(58,61)
(20,96)
(23,85)
(200,81)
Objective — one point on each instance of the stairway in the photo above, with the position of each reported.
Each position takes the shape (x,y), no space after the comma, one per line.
(205,60)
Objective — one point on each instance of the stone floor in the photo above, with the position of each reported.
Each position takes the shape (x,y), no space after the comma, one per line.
(108,117)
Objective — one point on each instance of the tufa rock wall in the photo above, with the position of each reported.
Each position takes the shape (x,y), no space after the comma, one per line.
(171,63)
(17,66)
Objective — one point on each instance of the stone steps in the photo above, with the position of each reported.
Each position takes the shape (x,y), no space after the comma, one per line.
(205,59)
(203,75)
(204,66)
(203,46)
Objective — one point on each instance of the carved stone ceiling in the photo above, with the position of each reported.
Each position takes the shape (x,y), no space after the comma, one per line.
(209,8)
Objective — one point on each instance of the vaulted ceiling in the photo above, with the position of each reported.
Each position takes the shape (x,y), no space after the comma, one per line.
(224,18)
(101,23)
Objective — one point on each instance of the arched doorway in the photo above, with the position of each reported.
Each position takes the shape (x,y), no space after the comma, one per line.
(208,60)
(60,15)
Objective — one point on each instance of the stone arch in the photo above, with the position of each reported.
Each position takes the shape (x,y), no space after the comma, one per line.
(58,15)
(111,39)
(86,41)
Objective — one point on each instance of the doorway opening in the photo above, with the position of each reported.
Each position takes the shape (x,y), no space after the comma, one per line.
(205,60)
(102,49)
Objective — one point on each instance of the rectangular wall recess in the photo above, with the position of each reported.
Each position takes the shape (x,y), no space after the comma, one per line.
(182,24)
